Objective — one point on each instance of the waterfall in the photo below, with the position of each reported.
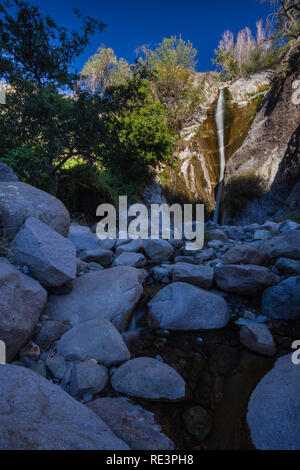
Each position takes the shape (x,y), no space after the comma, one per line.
(220,123)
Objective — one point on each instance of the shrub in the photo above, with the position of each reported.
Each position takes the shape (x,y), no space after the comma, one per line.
(243,188)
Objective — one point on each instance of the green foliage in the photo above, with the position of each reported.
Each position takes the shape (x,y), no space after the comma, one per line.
(174,52)
(243,188)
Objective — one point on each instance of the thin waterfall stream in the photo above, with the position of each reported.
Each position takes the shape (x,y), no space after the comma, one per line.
(220,123)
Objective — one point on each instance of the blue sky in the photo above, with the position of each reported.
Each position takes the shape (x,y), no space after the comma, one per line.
(131,23)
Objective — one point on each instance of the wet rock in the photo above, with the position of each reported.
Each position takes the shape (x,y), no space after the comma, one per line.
(111,294)
(288,266)
(7,173)
(283,300)
(258,338)
(131,423)
(247,280)
(18,201)
(50,332)
(22,300)
(158,250)
(273,417)
(136,260)
(197,422)
(201,276)
(87,379)
(286,245)
(181,306)
(36,415)
(243,254)
(148,378)
(95,339)
(99,256)
(50,256)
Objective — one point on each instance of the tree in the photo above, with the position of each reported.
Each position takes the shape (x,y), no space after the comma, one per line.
(36,62)
(284,21)
(104,70)
(174,52)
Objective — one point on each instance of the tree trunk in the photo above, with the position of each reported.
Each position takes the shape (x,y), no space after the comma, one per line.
(54,179)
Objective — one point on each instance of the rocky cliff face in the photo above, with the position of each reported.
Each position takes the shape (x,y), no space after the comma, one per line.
(272,149)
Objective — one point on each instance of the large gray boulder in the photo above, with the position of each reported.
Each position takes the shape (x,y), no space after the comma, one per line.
(148,378)
(244,279)
(131,423)
(181,306)
(273,412)
(95,339)
(50,257)
(22,300)
(158,250)
(111,294)
(100,256)
(282,301)
(7,173)
(36,415)
(131,246)
(18,201)
(201,276)
(286,245)
(243,254)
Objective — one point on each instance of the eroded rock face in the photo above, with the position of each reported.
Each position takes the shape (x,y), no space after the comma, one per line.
(95,339)
(131,423)
(22,300)
(18,201)
(111,294)
(283,300)
(244,279)
(181,306)
(36,415)
(148,378)
(50,256)
(272,417)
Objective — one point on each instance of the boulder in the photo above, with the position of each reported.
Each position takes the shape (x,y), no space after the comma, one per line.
(49,333)
(132,246)
(288,266)
(37,415)
(148,378)
(87,379)
(288,225)
(258,338)
(50,257)
(286,245)
(18,201)
(217,234)
(83,239)
(131,423)
(243,254)
(100,256)
(244,279)
(158,251)
(181,306)
(282,301)
(57,366)
(111,294)
(273,412)
(136,260)
(95,339)
(22,300)
(7,173)
(201,276)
